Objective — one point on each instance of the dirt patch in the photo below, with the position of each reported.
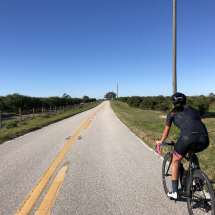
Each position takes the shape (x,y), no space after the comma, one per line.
(162,116)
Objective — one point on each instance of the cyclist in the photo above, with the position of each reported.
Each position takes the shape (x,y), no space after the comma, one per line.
(193,131)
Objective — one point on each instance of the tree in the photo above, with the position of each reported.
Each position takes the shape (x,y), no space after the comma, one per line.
(211,97)
(110,95)
(85,97)
(66,96)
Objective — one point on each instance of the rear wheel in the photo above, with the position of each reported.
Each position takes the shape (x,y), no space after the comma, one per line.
(200,194)
(166,173)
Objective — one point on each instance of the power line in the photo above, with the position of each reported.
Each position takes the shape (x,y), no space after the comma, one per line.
(139,36)
(148,36)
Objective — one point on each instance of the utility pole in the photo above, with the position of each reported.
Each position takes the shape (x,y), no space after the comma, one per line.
(174,80)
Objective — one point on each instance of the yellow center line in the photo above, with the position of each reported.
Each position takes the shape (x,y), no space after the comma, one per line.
(50,197)
(32,198)
(87,124)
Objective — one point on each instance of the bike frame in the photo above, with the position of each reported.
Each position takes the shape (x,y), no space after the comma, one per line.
(190,168)
(192,184)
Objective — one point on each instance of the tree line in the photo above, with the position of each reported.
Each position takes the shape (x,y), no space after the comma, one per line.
(12,102)
(160,103)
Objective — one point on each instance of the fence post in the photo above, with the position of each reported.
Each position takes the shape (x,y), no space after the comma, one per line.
(0,120)
(33,113)
(20,114)
(42,111)
(50,110)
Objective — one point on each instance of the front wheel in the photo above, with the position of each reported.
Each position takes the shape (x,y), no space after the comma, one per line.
(166,173)
(200,194)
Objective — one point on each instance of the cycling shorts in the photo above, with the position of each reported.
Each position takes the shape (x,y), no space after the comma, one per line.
(184,144)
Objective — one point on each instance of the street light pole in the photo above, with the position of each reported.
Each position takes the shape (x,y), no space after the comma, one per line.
(174,81)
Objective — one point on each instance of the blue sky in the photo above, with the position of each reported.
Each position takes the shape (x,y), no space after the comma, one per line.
(86,47)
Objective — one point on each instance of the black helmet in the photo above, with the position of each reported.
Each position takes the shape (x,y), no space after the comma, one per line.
(178,99)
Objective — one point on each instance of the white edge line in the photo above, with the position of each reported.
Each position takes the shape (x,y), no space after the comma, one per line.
(146,144)
(150,149)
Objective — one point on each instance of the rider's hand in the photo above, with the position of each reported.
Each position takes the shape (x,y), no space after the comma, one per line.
(158,142)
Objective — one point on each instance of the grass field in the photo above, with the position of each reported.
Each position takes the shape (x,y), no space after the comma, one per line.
(14,128)
(149,125)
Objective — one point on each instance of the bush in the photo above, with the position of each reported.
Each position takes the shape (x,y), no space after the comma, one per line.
(161,103)
(27,118)
(164,106)
(123,99)
(12,103)
(200,103)
(148,103)
(46,115)
(159,99)
(134,101)
(11,125)
(211,99)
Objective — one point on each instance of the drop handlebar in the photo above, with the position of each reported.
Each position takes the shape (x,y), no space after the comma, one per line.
(164,144)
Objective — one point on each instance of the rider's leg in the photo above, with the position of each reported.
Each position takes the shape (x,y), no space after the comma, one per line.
(175,171)
(180,150)
(175,168)
(175,164)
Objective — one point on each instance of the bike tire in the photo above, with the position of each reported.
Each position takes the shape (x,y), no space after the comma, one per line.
(200,194)
(166,172)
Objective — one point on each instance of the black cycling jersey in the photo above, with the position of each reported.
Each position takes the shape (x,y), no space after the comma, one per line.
(188,121)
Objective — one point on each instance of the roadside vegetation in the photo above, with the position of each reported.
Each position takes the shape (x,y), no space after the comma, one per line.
(160,103)
(14,128)
(12,103)
(149,125)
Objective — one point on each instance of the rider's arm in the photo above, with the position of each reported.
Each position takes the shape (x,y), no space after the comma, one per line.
(167,128)
(165,133)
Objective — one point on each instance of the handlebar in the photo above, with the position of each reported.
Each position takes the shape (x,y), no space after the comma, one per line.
(163,144)
(158,148)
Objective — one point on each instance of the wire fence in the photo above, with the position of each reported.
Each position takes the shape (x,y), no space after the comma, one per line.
(50,111)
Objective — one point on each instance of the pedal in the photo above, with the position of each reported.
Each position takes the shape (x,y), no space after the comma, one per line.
(173,199)
(183,194)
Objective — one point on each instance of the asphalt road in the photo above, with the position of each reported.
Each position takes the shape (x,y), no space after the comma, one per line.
(111,171)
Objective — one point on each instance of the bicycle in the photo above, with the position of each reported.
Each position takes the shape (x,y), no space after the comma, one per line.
(195,185)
